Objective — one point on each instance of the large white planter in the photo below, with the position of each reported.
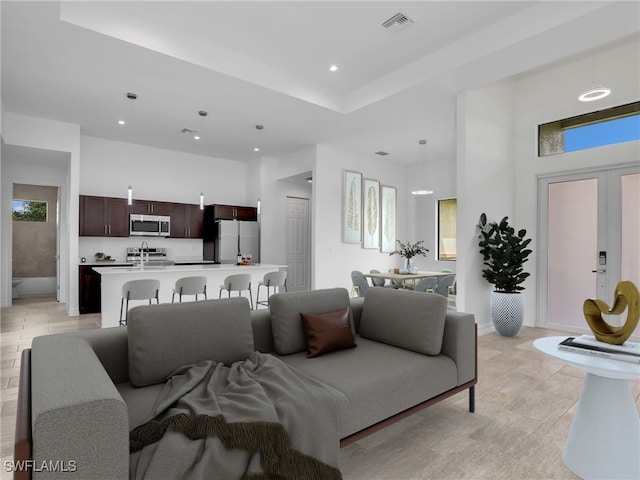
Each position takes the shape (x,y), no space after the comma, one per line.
(507,312)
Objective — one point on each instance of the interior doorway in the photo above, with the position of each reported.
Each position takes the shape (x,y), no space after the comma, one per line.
(35,254)
(298,245)
(589,241)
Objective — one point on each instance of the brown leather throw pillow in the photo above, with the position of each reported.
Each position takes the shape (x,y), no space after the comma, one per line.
(327,332)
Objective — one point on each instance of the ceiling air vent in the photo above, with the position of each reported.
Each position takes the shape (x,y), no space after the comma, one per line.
(396,22)
(381,153)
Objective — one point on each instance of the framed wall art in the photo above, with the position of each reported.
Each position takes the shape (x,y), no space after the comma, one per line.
(352,207)
(388,219)
(371,213)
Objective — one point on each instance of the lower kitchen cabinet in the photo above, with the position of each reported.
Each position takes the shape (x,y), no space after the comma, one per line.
(89,286)
(89,283)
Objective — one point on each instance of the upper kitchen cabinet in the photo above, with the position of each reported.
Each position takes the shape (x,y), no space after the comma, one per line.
(234,212)
(186,220)
(148,207)
(103,217)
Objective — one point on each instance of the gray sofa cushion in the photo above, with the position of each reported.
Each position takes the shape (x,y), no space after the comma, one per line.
(167,336)
(379,380)
(288,336)
(406,319)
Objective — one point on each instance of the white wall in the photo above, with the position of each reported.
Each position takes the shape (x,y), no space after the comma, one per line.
(553,95)
(274,189)
(334,260)
(498,166)
(26,131)
(109,167)
(442,179)
(486,183)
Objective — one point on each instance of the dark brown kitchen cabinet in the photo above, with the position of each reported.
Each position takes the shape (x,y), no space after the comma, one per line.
(186,220)
(234,212)
(103,217)
(149,207)
(89,283)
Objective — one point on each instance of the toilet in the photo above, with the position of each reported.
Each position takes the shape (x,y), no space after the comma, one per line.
(14,287)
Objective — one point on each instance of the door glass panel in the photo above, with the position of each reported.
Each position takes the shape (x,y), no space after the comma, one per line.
(630,241)
(572,250)
(630,268)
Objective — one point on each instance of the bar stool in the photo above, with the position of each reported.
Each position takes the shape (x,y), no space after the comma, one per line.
(146,289)
(190,286)
(271,280)
(237,282)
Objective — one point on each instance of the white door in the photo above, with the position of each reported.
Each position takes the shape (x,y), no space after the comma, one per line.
(298,245)
(589,241)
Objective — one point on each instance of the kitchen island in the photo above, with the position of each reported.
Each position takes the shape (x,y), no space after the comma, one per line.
(112,279)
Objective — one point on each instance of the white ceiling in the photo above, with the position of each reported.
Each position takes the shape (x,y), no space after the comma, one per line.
(264,62)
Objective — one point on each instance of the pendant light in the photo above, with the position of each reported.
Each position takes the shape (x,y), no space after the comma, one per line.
(131,97)
(424,189)
(597,91)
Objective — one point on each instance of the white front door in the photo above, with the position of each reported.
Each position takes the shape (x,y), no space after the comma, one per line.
(589,241)
(298,245)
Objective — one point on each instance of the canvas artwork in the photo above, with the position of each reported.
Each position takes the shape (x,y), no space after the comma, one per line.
(388,219)
(352,207)
(371,213)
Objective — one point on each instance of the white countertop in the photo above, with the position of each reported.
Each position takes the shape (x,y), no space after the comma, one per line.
(119,270)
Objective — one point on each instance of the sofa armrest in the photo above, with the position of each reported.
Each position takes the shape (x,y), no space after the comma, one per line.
(22,441)
(79,420)
(459,343)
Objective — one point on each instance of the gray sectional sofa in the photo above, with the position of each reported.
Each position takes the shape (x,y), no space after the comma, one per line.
(81,393)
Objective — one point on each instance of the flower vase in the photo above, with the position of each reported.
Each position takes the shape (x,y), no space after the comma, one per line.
(409,266)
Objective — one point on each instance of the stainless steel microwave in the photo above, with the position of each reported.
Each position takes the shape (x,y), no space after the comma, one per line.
(149,225)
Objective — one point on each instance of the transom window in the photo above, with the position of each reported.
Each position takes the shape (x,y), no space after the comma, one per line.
(605,127)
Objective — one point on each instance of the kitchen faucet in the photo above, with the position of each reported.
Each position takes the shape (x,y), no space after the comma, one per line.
(144,242)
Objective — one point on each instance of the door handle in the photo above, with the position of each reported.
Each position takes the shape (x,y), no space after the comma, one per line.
(603,270)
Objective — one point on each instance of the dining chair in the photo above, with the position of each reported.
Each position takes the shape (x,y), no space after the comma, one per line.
(360,284)
(143,289)
(426,285)
(238,282)
(190,286)
(271,280)
(377,282)
(444,284)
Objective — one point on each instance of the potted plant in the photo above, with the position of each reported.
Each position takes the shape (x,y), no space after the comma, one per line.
(408,251)
(504,253)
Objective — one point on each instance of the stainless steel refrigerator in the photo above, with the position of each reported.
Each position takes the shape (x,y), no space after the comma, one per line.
(233,236)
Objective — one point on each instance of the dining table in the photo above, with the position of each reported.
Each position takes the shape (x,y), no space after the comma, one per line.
(406,280)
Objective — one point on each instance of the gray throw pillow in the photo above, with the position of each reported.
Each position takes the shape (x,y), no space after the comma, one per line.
(167,336)
(405,319)
(288,335)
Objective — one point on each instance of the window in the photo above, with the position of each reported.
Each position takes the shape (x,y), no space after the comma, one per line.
(29,210)
(447,213)
(605,127)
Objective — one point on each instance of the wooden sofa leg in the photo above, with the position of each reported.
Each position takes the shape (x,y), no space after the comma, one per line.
(472,399)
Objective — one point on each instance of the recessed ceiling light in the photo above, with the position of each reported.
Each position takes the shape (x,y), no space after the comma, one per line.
(121,122)
(196,137)
(333,68)
(256,149)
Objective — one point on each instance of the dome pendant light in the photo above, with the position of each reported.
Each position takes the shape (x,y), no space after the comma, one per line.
(423,190)
(597,91)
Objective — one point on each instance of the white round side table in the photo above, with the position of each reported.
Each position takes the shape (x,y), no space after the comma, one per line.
(604,439)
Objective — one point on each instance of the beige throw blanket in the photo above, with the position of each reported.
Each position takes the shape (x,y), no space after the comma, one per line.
(257,419)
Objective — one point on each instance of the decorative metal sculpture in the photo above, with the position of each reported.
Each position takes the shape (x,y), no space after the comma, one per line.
(626,295)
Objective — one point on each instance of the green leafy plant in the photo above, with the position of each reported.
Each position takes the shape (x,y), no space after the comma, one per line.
(408,250)
(504,253)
